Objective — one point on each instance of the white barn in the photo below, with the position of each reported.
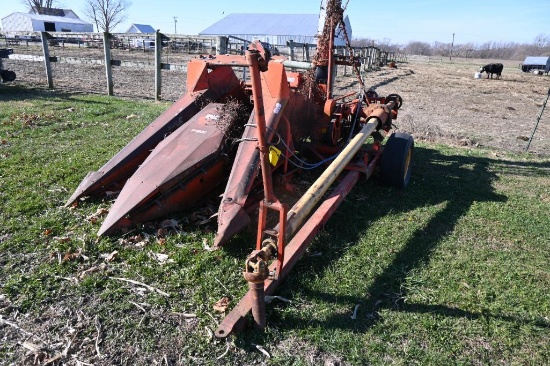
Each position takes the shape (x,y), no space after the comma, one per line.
(31,22)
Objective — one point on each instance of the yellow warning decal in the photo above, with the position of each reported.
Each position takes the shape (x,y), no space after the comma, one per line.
(274,155)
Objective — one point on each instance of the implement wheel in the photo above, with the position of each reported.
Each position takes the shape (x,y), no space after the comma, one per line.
(396,160)
(7,75)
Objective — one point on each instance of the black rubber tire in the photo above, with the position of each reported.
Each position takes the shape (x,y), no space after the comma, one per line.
(321,74)
(395,97)
(371,94)
(396,160)
(7,75)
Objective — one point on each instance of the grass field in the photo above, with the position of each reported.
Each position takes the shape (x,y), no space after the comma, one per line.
(453,270)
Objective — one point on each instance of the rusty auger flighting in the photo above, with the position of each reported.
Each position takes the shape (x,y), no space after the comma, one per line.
(291,122)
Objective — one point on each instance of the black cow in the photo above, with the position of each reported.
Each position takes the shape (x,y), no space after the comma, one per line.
(491,69)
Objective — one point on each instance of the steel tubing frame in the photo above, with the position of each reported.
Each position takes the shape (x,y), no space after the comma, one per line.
(254,299)
(235,320)
(309,200)
(270,200)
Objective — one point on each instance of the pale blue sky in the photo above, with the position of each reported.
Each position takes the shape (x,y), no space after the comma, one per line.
(474,21)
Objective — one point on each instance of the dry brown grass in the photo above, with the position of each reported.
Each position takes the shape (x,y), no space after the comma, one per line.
(443,102)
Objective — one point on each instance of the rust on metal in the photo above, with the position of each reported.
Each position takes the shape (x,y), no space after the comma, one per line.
(253,136)
(294,250)
(255,273)
(203,86)
(232,215)
(180,171)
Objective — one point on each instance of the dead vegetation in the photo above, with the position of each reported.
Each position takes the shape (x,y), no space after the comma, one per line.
(444,103)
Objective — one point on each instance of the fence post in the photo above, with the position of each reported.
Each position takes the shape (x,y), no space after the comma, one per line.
(108,66)
(47,64)
(345,52)
(307,52)
(291,45)
(221,45)
(374,56)
(158,65)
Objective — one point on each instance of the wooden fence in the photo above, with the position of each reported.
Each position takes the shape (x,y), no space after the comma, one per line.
(162,52)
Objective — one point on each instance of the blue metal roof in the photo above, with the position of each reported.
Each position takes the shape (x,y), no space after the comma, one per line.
(142,28)
(265,24)
(537,60)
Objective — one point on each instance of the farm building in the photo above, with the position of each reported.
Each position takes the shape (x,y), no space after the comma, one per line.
(68,13)
(140,28)
(532,63)
(276,29)
(31,22)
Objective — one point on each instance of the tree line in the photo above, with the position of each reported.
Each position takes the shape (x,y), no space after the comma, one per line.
(487,50)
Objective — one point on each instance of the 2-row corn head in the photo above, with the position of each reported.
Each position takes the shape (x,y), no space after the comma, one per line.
(292,122)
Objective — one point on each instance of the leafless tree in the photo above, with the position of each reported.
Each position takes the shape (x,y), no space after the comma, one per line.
(39,6)
(106,14)
(542,41)
(489,50)
(362,42)
(441,49)
(419,48)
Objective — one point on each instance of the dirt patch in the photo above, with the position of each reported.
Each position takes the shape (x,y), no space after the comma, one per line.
(443,102)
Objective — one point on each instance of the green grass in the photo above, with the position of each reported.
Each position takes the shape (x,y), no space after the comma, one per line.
(453,270)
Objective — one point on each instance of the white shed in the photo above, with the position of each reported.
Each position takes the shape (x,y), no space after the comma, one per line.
(30,22)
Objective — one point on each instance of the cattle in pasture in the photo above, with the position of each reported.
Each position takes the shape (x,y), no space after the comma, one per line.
(491,69)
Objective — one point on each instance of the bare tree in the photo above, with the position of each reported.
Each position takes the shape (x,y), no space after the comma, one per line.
(39,6)
(441,49)
(419,48)
(106,14)
(542,41)
(362,42)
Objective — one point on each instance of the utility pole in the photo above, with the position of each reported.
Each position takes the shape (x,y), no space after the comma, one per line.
(452,45)
(175,22)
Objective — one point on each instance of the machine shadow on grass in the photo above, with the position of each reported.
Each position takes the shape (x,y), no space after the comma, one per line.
(455,181)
